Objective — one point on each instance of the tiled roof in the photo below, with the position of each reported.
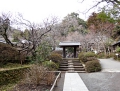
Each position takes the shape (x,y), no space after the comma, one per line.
(69,44)
(118,42)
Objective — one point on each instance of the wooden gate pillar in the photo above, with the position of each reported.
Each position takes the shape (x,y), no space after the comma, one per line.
(64,53)
(74,52)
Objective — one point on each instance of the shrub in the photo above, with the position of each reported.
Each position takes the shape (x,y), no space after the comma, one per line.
(50,65)
(90,54)
(87,56)
(55,57)
(42,52)
(118,49)
(108,56)
(93,66)
(8,54)
(12,75)
(101,55)
(90,58)
(58,52)
(50,78)
(81,56)
(37,75)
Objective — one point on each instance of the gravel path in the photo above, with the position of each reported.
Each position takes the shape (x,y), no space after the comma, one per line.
(103,81)
(110,65)
(106,80)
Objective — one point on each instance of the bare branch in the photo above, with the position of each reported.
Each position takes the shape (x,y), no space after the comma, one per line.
(113,2)
(94,6)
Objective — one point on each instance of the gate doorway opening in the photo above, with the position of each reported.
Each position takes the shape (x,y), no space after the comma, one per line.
(71,46)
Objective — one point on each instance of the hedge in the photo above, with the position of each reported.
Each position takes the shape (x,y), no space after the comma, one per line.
(55,57)
(8,54)
(12,75)
(50,65)
(93,66)
(87,56)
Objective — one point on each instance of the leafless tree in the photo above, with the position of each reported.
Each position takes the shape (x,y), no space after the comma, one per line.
(108,3)
(37,32)
(5,27)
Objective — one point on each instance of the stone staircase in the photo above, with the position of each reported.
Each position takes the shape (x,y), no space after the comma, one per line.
(72,65)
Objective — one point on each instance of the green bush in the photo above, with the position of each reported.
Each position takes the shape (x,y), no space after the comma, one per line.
(90,54)
(81,56)
(87,56)
(118,49)
(101,55)
(50,65)
(93,66)
(8,54)
(90,58)
(12,75)
(42,52)
(58,52)
(55,57)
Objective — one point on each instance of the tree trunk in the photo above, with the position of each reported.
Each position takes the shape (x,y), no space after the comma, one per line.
(7,40)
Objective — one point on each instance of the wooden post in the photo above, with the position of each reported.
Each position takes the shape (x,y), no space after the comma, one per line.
(74,52)
(64,53)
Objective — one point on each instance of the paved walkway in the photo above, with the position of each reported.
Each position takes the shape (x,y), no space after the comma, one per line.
(73,82)
(110,65)
(106,80)
(102,81)
(60,83)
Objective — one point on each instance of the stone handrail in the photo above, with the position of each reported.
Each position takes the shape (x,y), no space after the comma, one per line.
(55,82)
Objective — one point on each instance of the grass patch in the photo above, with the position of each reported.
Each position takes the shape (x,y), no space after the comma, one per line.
(9,66)
(7,87)
(11,76)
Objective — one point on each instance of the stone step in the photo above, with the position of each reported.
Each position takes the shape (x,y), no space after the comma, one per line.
(71,69)
(79,69)
(63,65)
(76,71)
(76,61)
(63,69)
(67,68)
(64,62)
(70,58)
(71,66)
(77,64)
(70,63)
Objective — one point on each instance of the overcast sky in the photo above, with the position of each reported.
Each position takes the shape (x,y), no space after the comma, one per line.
(38,10)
